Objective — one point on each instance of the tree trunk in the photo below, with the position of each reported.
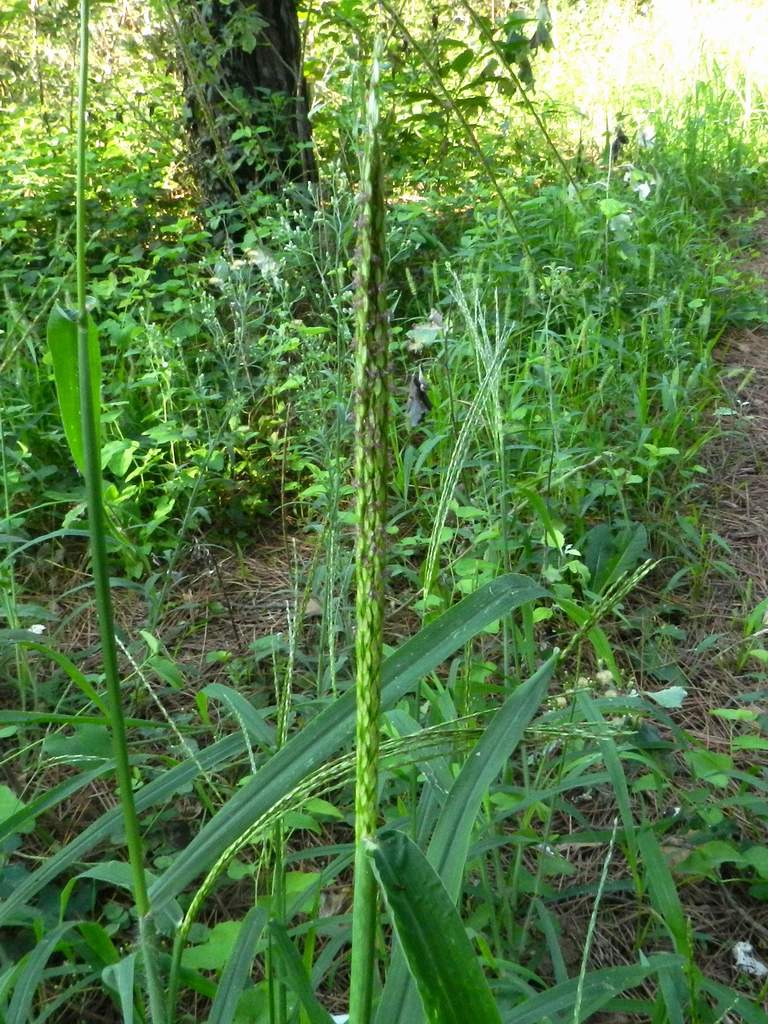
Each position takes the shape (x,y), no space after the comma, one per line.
(246,96)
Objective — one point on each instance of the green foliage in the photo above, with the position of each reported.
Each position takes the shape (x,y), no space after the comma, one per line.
(62,345)
(554,307)
(439,954)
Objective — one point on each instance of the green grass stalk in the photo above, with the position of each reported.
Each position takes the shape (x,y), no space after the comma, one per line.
(97,529)
(371,463)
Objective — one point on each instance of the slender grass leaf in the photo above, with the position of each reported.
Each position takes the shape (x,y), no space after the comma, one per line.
(41,539)
(62,344)
(618,782)
(24,991)
(99,943)
(449,845)
(163,788)
(118,874)
(334,726)
(237,971)
(296,975)
(120,977)
(71,669)
(450,841)
(674,995)
(50,799)
(598,989)
(50,718)
(730,1001)
(441,959)
(246,714)
(663,891)
(595,634)
(550,931)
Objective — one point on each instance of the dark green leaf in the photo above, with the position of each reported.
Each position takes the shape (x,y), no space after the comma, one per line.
(440,957)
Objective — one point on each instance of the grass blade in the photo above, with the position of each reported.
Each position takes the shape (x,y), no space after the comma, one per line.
(31,976)
(334,726)
(440,957)
(598,988)
(296,974)
(51,798)
(155,792)
(238,968)
(121,977)
(449,846)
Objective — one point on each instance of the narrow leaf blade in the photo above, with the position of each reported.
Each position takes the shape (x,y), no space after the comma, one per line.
(238,968)
(326,733)
(450,841)
(296,975)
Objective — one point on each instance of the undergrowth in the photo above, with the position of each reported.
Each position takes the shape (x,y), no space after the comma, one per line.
(555,305)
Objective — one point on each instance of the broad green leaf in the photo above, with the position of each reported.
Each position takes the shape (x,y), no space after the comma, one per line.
(440,957)
(85,742)
(62,344)
(296,975)
(671,697)
(12,807)
(217,948)
(450,841)
(334,726)
(610,207)
(237,970)
(710,766)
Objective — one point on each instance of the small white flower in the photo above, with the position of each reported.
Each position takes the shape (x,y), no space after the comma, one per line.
(745,961)
(37,629)
(604,677)
(642,189)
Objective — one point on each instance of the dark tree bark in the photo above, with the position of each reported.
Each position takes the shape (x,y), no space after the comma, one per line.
(246,96)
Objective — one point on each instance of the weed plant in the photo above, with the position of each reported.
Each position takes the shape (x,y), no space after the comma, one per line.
(562,310)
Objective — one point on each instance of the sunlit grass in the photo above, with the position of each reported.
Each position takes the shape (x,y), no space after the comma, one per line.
(638,59)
